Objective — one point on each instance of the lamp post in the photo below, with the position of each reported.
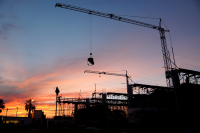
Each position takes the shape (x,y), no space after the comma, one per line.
(6,111)
(6,114)
(16,111)
(57,91)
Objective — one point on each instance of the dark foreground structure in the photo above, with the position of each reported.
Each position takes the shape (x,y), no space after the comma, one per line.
(151,113)
(145,108)
(154,109)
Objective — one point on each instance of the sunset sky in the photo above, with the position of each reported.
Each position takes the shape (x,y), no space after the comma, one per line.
(42,47)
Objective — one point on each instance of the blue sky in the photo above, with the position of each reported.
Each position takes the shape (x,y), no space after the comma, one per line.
(42,47)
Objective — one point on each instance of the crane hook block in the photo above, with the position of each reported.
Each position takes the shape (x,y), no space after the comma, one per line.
(90,60)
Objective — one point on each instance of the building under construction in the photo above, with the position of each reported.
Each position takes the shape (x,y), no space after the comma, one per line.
(155,104)
(142,103)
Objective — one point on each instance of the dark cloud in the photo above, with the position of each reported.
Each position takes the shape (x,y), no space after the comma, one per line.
(2,80)
(11,93)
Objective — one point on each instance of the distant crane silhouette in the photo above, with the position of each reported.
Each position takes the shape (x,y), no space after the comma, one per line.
(115,74)
(129,87)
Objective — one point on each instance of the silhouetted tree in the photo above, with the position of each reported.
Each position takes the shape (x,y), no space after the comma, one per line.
(29,106)
(2,106)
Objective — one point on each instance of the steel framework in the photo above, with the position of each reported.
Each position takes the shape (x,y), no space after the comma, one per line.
(113,101)
(189,76)
(148,89)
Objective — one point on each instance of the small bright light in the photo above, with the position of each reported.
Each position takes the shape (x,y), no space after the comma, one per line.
(32,100)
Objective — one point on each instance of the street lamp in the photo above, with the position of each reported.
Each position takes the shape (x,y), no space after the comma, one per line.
(16,111)
(6,115)
(57,91)
(6,112)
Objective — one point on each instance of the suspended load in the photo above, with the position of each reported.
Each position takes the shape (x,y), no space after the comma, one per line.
(90,60)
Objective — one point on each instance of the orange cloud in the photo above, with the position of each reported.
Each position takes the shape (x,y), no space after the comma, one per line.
(40,83)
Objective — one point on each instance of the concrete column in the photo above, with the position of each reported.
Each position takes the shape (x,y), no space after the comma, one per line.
(104,99)
(176,84)
(130,96)
(87,102)
(76,107)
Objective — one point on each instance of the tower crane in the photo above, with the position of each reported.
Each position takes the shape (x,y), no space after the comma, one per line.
(106,73)
(166,55)
(129,87)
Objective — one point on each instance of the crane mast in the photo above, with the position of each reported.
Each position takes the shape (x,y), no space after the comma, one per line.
(166,54)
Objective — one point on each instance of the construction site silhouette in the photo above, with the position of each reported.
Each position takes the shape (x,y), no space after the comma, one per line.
(143,108)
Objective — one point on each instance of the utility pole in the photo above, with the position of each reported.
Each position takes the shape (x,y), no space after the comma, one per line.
(56,106)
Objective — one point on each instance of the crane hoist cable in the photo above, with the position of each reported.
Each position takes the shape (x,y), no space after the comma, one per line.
(90,61)
(90,31)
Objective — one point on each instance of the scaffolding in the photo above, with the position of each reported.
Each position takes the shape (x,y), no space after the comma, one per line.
(114,101)
(189,76)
